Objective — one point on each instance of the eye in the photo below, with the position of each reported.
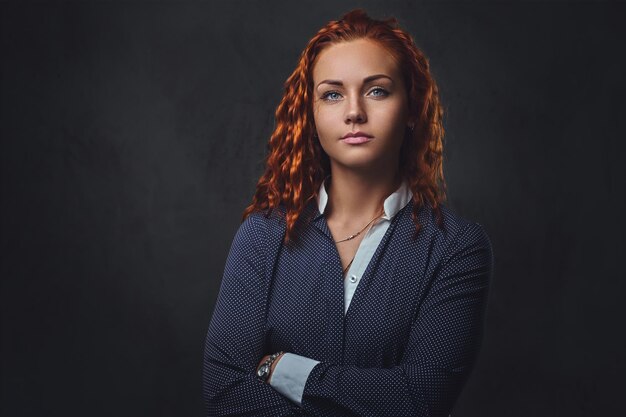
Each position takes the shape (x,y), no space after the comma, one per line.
(379,92)
(331,96)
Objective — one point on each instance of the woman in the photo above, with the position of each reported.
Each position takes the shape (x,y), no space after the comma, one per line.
(349,288)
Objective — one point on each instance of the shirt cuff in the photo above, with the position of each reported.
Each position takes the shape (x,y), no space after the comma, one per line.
(290,375)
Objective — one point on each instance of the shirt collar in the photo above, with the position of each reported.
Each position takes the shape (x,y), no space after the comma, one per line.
(392,204)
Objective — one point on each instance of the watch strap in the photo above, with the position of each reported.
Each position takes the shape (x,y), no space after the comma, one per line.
(264,371)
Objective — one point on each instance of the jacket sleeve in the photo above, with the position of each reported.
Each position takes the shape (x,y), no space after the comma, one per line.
(441,349)
(235,338)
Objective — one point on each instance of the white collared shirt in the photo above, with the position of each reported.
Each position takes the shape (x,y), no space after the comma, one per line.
(291,372)
(392,205)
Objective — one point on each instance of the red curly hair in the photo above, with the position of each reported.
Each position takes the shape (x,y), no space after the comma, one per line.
(297,165)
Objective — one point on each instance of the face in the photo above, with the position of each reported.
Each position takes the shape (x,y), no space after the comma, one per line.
(358,87)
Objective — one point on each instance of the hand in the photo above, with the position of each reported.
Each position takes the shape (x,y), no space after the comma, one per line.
(263,359)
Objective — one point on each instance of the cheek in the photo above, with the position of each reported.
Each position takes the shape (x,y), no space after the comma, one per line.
(399,116)
(326,141)
(325,122)
(321,128)
(390,119)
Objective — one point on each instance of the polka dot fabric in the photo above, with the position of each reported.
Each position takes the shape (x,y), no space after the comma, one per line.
(405,347)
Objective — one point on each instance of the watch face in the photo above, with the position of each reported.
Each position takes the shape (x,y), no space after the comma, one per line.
(263,371)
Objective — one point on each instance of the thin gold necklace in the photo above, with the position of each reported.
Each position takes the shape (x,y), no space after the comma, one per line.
(355,235)
(345,270)
(361,231)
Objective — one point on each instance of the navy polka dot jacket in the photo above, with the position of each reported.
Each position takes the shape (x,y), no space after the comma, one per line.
(405,347)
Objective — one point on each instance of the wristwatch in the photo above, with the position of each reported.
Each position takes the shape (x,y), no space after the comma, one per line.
(264,370)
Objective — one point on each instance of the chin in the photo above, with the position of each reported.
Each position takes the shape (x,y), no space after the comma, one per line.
(356,163)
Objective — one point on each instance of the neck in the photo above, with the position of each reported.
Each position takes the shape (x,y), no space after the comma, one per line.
(354,197)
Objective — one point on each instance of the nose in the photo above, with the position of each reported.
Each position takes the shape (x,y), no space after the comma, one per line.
(355,113)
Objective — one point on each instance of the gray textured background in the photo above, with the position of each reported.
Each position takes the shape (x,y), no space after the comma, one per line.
(132,136)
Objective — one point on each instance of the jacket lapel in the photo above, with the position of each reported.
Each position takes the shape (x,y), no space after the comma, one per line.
(331,279)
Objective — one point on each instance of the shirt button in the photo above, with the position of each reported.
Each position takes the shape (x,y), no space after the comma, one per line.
(353,278)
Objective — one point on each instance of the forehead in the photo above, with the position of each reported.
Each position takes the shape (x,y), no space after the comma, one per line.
(353,61)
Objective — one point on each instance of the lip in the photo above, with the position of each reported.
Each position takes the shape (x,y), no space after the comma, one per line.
(356,134)
(355,138)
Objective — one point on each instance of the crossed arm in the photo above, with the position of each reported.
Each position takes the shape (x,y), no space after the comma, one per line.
(440,352)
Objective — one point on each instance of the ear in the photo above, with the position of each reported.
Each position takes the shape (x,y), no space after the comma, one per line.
(410,123)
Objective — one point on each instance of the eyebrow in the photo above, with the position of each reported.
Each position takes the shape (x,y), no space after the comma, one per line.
(365,80)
